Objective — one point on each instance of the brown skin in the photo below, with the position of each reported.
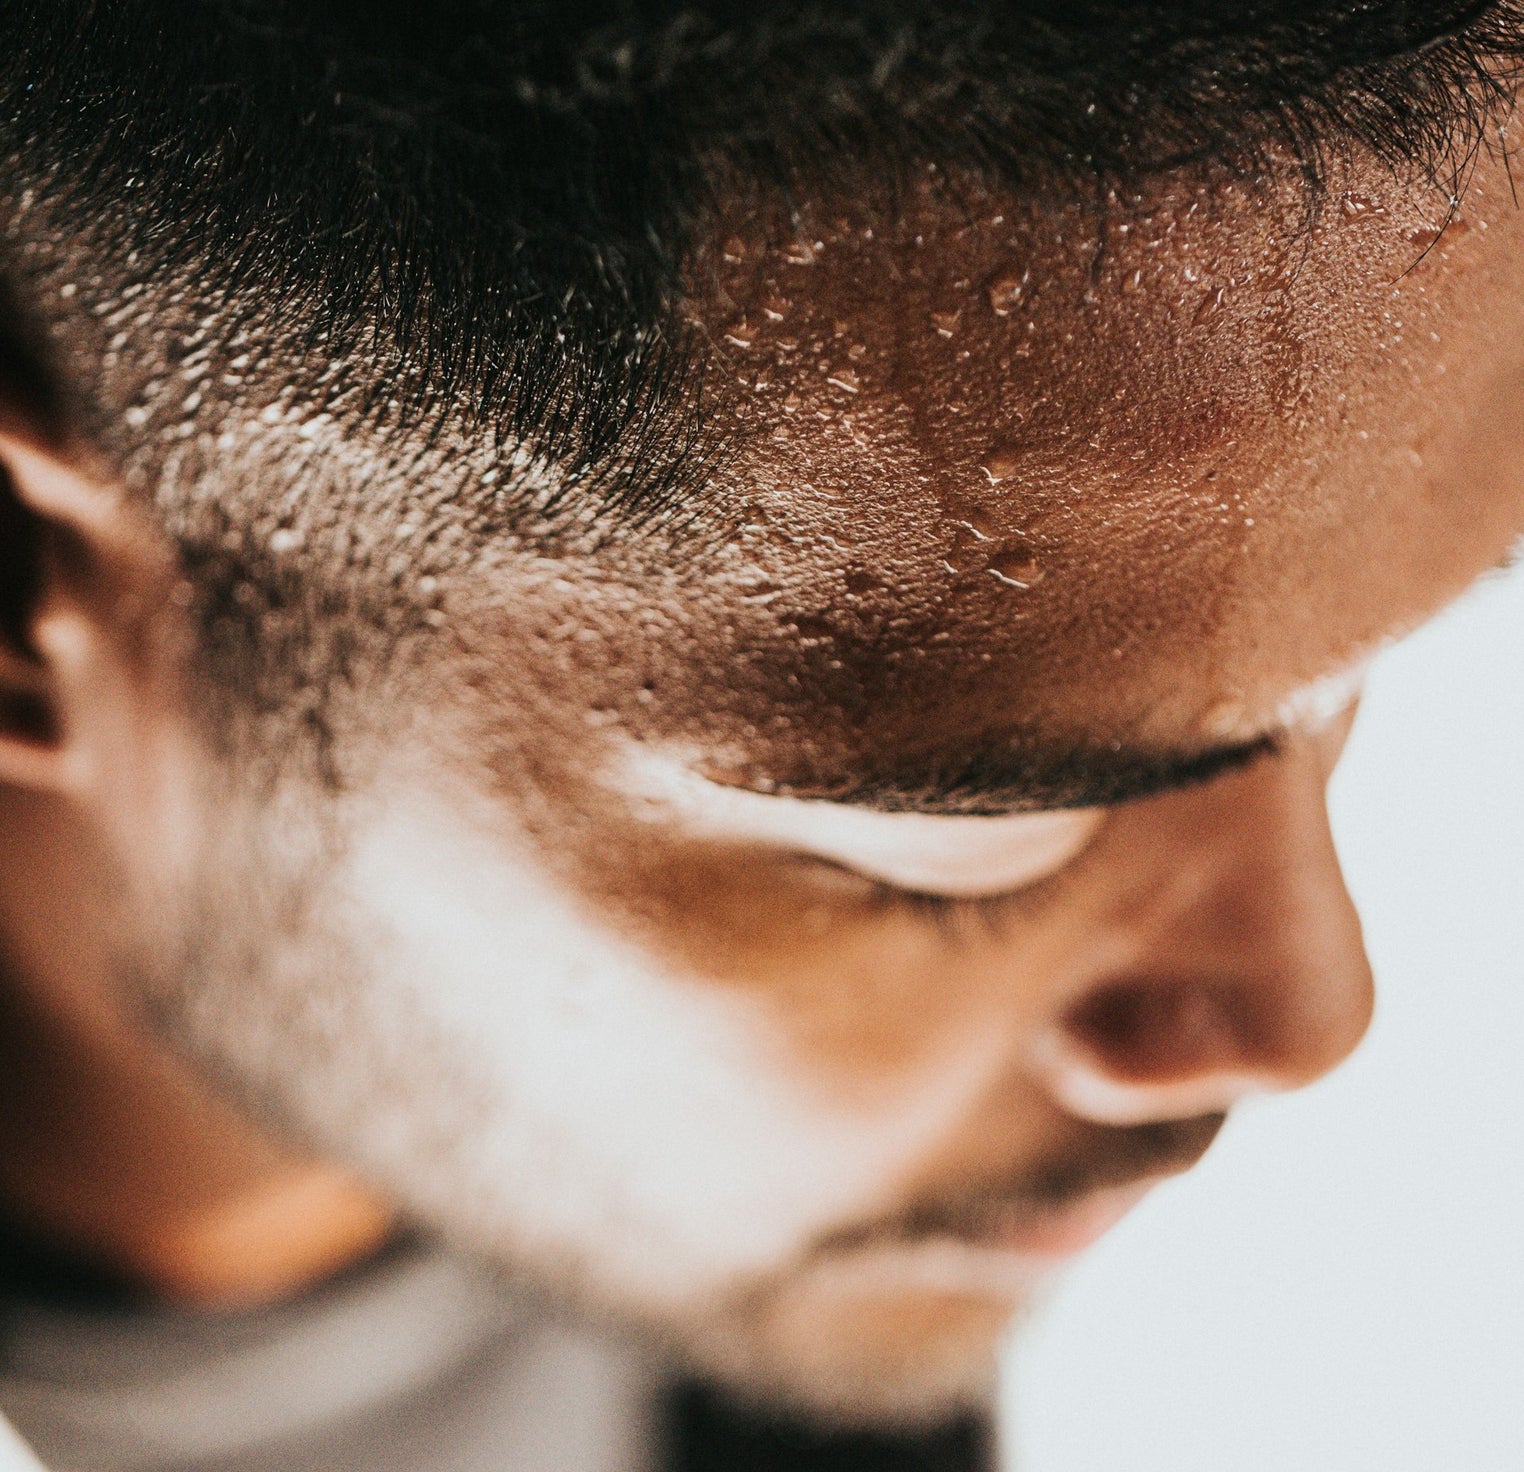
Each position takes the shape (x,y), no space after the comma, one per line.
(1213,457)
(114,1152)
(1224,504)
(117,1155)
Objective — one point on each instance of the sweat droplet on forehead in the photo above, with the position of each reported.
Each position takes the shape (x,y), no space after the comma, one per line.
(1007,291)
(987,529)
(1011,430)
(1017,566)
(1001,464)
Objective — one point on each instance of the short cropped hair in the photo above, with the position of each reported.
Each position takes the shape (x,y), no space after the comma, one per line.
(447,240)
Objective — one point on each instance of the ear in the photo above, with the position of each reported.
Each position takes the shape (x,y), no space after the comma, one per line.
(76,577)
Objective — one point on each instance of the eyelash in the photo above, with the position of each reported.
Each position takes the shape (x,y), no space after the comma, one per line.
(951,915)
(956,918)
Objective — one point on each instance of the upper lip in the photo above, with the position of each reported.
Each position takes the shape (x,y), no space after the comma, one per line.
(1034,1193)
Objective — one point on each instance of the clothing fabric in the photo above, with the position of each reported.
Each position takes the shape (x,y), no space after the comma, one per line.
(419,1361)
(707,1432)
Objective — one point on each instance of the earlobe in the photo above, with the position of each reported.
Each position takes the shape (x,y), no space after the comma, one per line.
(31,753)
(28,716)
(44,505)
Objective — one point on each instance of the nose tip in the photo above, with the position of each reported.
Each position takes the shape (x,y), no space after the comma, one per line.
(1228,961)
(1149,1049)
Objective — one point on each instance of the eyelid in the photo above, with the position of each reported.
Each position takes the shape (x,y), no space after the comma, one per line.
(918,853)
(959,858)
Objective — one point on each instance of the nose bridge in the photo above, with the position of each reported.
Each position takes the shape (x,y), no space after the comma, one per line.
(1252,880)
(1232,959)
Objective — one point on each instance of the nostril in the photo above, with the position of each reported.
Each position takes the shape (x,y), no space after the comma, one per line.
(1158,1031)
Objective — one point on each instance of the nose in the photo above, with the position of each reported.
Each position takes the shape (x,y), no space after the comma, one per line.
(1226,957)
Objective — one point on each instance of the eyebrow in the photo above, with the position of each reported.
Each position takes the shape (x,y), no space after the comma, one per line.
(995,780)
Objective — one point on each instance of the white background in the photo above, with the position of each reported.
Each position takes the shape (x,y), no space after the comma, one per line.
(1340,1286)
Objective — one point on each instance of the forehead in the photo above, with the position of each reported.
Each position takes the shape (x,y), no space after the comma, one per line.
(1070,476)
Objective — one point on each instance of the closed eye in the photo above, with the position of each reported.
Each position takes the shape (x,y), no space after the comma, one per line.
(954,917)
(932,857)
(949,859)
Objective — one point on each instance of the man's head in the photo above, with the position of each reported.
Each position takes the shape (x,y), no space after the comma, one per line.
(709,643)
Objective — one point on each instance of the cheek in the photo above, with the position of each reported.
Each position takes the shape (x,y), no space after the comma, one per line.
(864,990)
(605,1110)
